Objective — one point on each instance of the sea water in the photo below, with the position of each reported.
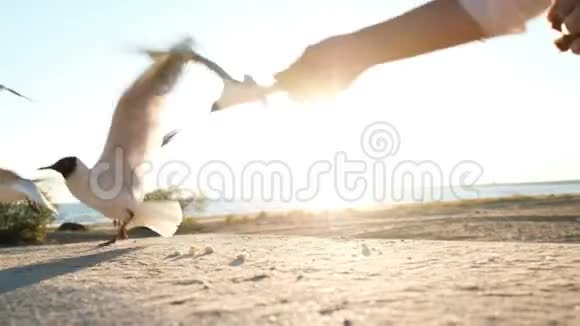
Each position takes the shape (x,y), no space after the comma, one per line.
(77,212)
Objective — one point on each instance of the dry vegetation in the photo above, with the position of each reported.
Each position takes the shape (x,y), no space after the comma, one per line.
(20,223)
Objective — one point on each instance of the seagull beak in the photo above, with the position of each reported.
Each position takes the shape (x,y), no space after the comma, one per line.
(215,107)
(46,168)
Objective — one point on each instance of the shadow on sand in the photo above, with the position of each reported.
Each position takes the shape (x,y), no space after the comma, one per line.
(22,276)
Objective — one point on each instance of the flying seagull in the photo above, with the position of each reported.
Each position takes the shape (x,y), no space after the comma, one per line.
(15,188)
(114,186)
(2,87)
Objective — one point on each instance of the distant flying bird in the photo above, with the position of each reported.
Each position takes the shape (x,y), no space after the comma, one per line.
(114,186)
(2,87)
(15,188)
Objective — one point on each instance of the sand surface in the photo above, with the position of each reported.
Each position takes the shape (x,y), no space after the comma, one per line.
(486,262)
(291,280)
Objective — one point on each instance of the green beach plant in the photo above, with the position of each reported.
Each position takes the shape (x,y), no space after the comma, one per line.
(21,223)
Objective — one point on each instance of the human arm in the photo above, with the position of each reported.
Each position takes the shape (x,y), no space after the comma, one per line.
(330,66)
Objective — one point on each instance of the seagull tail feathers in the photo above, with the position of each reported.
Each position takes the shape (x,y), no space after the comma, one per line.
(163,217)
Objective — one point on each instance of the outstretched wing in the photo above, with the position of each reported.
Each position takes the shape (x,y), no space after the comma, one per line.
(214,67)
(15,92)
(31,191)
(235,93)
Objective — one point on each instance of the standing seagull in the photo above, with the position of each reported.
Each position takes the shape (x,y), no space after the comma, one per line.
(114,186)
(2,87)
(15,188)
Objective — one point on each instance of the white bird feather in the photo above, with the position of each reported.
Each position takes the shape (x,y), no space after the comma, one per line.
(15,188)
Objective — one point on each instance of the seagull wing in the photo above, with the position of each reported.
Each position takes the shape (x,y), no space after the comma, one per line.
(136,135)
(16,93)
(235,93)
(167,138)
(31,191)
(214,67)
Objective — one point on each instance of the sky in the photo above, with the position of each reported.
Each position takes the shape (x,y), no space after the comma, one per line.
(508,104)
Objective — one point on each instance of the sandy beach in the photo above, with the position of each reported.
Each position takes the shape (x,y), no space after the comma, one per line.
(291,281)
(504,262)
(343,163)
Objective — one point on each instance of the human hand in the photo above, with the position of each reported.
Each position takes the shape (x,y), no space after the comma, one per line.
(566,13)
(324,69)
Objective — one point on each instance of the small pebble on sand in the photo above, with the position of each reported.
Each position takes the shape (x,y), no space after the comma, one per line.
(209,250)
(242,257)
(175,254)
(365,250)
(240,260)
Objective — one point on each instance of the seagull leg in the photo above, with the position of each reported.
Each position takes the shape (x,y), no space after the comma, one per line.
(123,235)
(120,235)
(108,243)
(121,231)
